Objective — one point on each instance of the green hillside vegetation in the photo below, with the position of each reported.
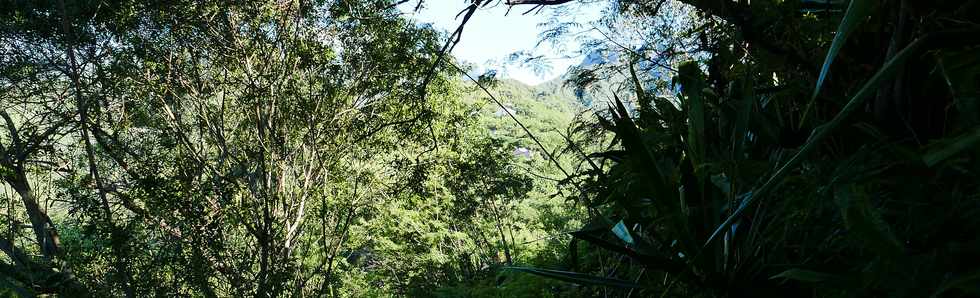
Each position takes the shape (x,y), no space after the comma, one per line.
(545,110)
(536,220)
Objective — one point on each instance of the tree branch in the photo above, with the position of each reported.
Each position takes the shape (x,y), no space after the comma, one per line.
(537,2)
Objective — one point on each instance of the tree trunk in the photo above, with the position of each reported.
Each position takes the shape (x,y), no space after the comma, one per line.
(117,246)
(500,230)
(44,230)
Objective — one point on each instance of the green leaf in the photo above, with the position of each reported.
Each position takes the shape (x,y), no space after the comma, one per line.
(642,158)
(621,109)
(637,85)
(804,275)
(966,283)
(670,114)
(933,40)
(744,110)
(10,288)
(953,147)
(614,155)
(959,69)
(593,234)
(857,11)
(578,278)
(5,171)
(864,222)
(692,84)
(605,124)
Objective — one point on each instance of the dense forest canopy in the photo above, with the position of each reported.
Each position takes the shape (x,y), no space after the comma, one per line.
(337,148)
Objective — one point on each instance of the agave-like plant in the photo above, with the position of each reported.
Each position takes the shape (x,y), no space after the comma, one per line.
(703,199)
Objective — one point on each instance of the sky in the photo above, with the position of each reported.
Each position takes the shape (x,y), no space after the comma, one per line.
(492,34)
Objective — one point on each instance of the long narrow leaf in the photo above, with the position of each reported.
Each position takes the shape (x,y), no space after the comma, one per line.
(643,158)
(967,283)
(934,40)
(745,103)
(857,11)
(578,278)
(826,280)
(692,84)
(654,262)
(957,145)
(803,275)
(864,222)
(637,86)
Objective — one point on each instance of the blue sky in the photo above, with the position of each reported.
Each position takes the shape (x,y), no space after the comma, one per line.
(491,34)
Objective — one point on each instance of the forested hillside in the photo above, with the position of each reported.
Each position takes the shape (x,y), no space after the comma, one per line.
(338,148)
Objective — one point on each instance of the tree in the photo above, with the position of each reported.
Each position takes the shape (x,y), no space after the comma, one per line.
(208,137)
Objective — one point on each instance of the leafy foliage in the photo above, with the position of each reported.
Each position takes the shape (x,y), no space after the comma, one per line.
(330,148)
(727,196)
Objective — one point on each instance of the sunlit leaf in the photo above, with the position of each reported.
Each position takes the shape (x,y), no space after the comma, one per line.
(594,234)
(620,231)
